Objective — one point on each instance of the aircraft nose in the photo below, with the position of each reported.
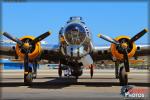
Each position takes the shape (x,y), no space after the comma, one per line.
(75,34)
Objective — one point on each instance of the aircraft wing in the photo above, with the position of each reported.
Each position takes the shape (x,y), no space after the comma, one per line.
(104,52)
(7,50)
(48,52)
(143,50)
(101,53)
(51,53)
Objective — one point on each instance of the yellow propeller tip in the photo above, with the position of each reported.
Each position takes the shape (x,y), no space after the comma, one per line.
(49,32)
(146,29)
(99,35)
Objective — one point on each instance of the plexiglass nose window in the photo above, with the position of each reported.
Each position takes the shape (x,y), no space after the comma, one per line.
(75,34)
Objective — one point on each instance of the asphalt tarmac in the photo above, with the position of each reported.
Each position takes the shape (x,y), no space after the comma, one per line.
(49,86)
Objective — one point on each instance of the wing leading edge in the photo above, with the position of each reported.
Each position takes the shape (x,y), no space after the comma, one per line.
(104,52)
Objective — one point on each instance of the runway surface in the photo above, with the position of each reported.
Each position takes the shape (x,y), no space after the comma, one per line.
(48,86)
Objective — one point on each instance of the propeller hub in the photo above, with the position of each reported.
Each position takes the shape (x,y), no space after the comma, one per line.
(124,45)
(26,45)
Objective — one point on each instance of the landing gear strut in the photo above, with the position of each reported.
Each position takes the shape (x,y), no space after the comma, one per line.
(123,76)
(35,64)
(91,71)
(116,70)
(28,76)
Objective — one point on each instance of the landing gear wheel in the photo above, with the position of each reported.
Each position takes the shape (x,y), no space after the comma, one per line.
(91,71)
(28,77)
(60,71)
(123,77)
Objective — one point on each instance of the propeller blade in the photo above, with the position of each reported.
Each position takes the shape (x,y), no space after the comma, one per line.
(126,60)
(109,39)
(41,37)
(138,35)
(13,38)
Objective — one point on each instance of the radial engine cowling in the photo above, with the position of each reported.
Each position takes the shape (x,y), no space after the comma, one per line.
(117,51)
(34,49)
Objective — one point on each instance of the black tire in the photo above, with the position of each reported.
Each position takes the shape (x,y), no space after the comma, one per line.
(28,78)
(123,77)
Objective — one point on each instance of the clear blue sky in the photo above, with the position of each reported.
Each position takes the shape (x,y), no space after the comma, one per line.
(109,18)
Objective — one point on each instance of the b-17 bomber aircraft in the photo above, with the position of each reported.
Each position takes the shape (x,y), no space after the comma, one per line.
(76,50)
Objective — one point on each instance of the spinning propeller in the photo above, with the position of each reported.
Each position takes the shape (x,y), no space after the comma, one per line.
(123,46)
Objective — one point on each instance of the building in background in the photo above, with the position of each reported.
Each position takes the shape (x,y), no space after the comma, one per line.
(7,64)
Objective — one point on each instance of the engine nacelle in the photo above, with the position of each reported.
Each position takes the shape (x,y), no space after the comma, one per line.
(35,50)
(131,48)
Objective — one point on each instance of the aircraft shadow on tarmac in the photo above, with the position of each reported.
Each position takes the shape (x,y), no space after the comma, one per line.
(58,83)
